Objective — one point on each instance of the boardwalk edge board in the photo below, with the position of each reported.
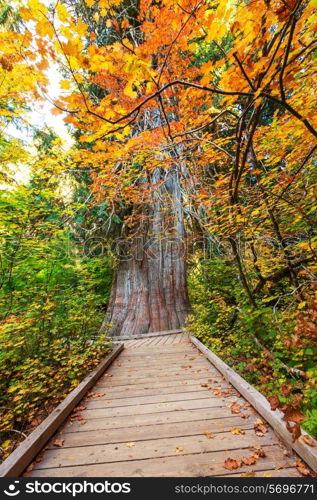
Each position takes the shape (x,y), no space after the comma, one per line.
(261,404)
(20,458)
(147,335)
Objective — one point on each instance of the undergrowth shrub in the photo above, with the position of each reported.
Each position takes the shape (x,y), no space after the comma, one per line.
(257,343)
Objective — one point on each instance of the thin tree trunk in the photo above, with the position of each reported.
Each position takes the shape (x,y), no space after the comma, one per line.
(149,292)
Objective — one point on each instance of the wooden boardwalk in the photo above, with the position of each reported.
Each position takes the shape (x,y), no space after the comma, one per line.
(162,409)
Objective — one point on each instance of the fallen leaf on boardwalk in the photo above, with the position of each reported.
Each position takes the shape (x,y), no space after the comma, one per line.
(209,435)
(39,459)
(179,449)
(231,463)
(30,467)
(249,460)
(308,440)
(236,430)
(259,427)
(76,416)
(259,451)
(130,445)
(204,385)
(59,442)
(267,474)
(274,402)
(251,473)
(95,395)
(191,358)
(244,415)
(301,467)
(235,408)
(217,393)
(80,408)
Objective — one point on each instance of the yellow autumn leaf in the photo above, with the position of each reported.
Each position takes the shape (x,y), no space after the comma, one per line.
(65,84)
(62,12)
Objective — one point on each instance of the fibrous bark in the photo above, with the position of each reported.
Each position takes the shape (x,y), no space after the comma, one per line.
(149,292)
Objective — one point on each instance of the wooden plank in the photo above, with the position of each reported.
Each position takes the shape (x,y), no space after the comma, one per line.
(168,376)
(139,355)
(174,349)
(131,392)
(150,418)
(284,472)
(145,432)
(142,342)
(130,343)
(141,400)
(183,367)
(173,369)
(166,365)
(261,404)
(140,381)
(172,406)
(158,341)
(107,384)
(150,334)
(149,449)
(153,340)
(162,360)
(154,372)
(207,464)
(24,454)
(181,339)
(166,339)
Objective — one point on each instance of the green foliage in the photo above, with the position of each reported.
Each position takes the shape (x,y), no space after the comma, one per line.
(53,294)
(256,342)
(310,425)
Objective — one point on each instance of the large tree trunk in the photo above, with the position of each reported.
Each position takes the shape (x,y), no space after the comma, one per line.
(149,292)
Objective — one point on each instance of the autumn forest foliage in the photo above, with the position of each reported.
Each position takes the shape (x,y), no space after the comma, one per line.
(194,127)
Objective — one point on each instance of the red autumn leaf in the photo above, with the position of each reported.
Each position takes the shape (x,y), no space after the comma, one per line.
(231,464)
(59,442)
(260,427)
(302,468)
(259,451)
(249,460)
(80,408)
(236,408)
